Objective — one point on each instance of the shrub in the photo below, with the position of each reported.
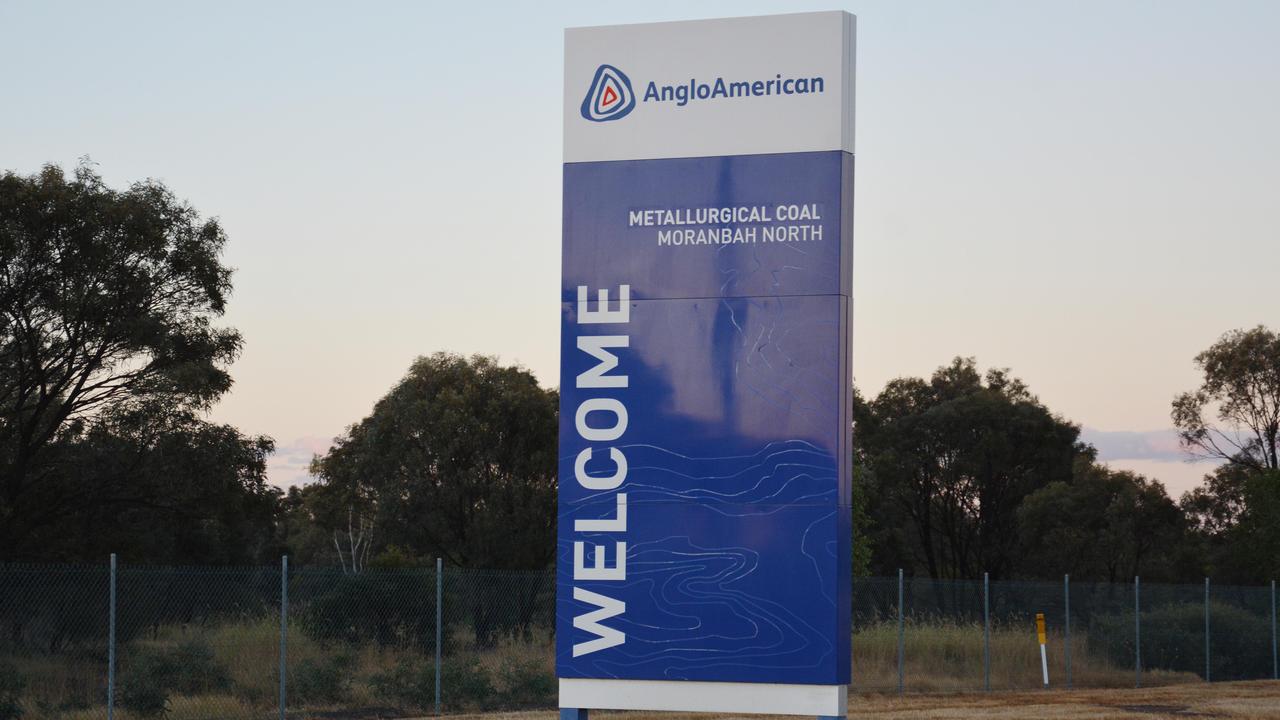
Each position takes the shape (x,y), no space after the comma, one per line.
(1173,639)
(408,684)
(322,681)
(153,674)
(62,619)
(391,608)
(11,686)
(526,683)
(196,670)
(145,686)
(465,683)
(502,605)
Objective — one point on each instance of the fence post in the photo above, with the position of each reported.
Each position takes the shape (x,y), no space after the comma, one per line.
(1275,659)
(986,632)
(439,620)
(901,628)
(1066,623)
(284,630)
(1206,630)
(1137,633)
(111,642)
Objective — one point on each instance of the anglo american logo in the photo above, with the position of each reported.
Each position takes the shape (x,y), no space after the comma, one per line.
(610,96)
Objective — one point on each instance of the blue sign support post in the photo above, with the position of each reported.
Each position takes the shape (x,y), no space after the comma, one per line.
(704,524)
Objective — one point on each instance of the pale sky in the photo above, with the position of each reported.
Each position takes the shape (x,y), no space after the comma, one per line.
(1084,192)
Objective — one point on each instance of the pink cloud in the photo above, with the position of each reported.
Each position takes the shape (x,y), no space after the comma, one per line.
(1129,445)
(290,463)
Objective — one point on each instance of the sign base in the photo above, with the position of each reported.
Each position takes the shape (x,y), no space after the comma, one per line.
(579,694)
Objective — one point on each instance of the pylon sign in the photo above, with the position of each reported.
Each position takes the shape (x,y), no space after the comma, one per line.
(704,503)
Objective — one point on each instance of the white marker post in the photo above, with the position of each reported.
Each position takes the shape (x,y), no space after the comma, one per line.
(1044,659)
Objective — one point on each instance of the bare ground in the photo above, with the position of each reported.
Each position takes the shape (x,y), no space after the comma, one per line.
(1259,699)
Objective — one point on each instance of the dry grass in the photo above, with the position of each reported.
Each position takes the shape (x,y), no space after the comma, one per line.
(249,652)
(942,660)
(947,658)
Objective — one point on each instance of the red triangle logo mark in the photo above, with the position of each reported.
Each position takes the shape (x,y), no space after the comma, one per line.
(610,97)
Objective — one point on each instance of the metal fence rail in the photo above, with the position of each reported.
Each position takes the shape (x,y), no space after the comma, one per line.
(119,641)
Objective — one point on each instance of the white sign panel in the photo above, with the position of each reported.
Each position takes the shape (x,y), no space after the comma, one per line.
(736,86)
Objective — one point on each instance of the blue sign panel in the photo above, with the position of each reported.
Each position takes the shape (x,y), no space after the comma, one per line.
(704,521)
(658,226)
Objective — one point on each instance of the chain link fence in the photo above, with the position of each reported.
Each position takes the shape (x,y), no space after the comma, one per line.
(916,635)
(190,643)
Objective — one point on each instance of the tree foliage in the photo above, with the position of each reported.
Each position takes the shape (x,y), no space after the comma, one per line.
(160,487)
(952,458)
(1104,525)
(1241,388)
(109,353)
(1254,541)
(458,460)
(1217,505)
(1236,517)
(1235,514)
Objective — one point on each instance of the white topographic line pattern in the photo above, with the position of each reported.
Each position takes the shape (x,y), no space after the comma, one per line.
(712,608)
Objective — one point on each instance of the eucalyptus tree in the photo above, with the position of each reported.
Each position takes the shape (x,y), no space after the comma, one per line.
(110,353)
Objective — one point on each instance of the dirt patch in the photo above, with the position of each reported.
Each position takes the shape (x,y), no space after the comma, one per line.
(1168,710)
(1260,700)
